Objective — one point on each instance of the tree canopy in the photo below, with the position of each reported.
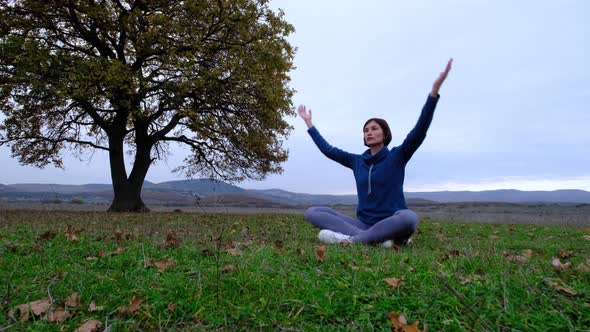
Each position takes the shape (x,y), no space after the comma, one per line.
(138,76)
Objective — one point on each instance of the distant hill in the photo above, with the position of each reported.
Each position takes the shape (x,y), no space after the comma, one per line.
(506,196)
(187,192)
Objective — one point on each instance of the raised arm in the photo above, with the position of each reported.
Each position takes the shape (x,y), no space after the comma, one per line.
(342,157)
(418,133)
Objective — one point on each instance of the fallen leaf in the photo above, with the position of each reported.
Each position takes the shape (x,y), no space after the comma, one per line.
(207,252)
(118,234)
(73,301)
(394,282)
(468,279)
(101,253)
(320,252)
(560,288)
(48,235)
(587,237)
(450,254)
(564,254)
(164,264)
(117,251)
(171,240)
(228,268)
(71,234)
(279,244)
(171,307)
(584,266)
(23,310)
(399,324)
(91,325)
(234,252)
(558,266)
(93,307)
(132,307)
(517,258)
(58,315)
(528,253)
(40,306)
(134,304)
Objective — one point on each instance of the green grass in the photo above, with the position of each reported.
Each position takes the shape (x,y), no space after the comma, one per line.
(279,284)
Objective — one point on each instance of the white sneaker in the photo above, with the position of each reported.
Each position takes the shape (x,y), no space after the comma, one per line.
(390,243)
(386,244)
(330,237)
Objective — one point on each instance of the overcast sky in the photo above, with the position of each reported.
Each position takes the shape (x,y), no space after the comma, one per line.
(513,112)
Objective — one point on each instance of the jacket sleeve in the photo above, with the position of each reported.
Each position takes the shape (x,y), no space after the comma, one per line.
(342,157)
(418,133)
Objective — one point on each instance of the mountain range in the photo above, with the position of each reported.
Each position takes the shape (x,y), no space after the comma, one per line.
(207,192)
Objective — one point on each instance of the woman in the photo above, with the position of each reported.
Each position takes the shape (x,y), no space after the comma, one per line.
(382,214)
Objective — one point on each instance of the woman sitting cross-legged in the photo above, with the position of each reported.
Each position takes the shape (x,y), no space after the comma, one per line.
(382,215)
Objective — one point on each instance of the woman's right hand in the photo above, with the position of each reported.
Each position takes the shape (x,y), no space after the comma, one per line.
(306,116)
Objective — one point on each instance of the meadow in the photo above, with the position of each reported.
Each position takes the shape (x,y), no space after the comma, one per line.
(166,271)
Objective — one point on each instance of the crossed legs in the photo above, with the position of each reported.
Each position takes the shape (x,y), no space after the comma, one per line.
(398,227)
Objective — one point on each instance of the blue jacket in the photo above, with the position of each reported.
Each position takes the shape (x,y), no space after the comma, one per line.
(380,178)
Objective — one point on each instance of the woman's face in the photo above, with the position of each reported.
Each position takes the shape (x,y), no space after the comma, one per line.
(373,134)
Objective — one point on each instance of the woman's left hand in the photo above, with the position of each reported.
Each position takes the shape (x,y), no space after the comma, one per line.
(441,78)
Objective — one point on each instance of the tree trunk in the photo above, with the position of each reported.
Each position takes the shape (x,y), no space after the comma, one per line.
(127,191)
(128,199)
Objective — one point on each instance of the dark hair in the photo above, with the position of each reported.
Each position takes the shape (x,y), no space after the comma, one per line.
(384,126)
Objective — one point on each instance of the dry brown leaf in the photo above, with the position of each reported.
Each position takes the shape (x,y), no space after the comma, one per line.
(558,266)
(118,234)
(134,304)
(354,265)
(528,253)
(399,324)
(91,325)
(41,306)
(171,240)
(565,254)
(234,252)
(101,253)
(71,235)
(171,307)
(560,288)
(23,310)
(584,266)
(117,251)
(48,235)
(394,282)
(320,252)
(207,252)
(164,264)
(450,254)
(93,307)
(132,307)
(73,301)
(58,315)
(279,244)
(587,237)
(228,268)
(468,279)
(517,258)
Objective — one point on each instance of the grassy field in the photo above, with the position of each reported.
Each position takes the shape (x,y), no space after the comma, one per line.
(185,271)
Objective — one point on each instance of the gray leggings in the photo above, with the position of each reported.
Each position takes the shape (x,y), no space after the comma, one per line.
(399,227)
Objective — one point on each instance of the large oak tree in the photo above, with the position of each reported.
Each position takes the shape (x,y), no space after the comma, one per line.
(134,77)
